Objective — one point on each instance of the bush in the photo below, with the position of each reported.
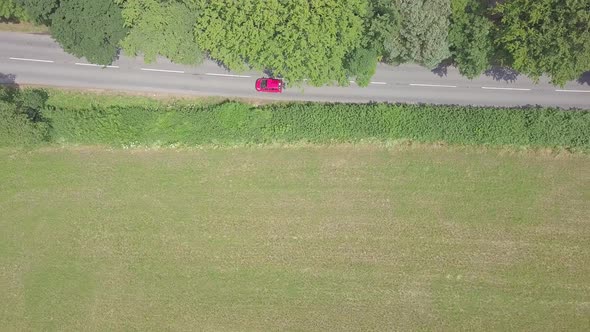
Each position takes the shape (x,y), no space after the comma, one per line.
(17,130)
(362,65)
(21,119)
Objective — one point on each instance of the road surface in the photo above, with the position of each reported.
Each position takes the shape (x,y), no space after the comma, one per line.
(38,60)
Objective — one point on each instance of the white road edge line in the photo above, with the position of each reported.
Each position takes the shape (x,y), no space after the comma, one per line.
(93,65)
(434,85)
(228,75)
(163,70)
(33,60)
(587,91)
(497,88)
(379,83)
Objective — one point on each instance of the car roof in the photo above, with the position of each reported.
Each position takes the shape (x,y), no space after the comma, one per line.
(273,83)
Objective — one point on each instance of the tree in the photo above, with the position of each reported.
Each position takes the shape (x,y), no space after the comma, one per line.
(422,34)
(157,28)
(382,22)
(470,38)
(295,39)
(547,37)
(11,11)
(362,65)
(89,28)
(39,11)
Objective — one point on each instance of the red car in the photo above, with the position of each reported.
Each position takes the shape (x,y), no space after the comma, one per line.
(273,85)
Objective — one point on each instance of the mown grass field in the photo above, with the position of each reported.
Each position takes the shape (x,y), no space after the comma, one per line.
(344,237)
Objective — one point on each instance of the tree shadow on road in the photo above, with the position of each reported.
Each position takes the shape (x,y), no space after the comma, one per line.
(8,80)
(502,74)
(268,72)
(220,64)
(8,87)
(585,78)
(442,69)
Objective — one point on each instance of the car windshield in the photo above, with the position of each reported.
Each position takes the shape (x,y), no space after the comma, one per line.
(263,84)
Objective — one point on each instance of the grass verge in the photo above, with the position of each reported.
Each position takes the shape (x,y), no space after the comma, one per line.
(23,27)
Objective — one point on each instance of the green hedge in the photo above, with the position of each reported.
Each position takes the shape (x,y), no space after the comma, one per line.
(21,119)
(16,129)
(233,123)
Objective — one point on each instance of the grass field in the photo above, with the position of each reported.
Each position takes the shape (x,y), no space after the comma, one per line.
(303,238)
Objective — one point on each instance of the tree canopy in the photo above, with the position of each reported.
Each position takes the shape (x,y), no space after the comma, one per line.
(422,34)
(89,28)
(158,28)
(12,11)
(470,38)
(381,24)
(39,11)
(361,65)
(325,41)
(298,39)
(547,37)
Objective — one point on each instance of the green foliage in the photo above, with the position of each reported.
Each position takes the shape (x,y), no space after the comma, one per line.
(381,23)
(10,10)
(21,120)
(26,116)
(16,129)
(293,39)
(164,29)
(31,102)
(39,11)
(362,65)
(239,124)
(547,37)
(325,41)
(422,34)
(452,124)
(89,28)
(470,38)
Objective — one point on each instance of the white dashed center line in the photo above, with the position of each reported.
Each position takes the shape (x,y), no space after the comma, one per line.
(93,65)
(247,76)
(582,91)
(434,85)
(32,60)
(227,75)
(163,70)
(497,88)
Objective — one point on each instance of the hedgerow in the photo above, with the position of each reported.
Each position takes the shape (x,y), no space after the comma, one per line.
(234,123)
(21,119)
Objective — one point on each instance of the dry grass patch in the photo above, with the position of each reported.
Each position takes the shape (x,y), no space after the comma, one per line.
(23,27)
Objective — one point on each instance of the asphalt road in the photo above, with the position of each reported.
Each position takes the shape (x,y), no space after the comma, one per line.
(38,60)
